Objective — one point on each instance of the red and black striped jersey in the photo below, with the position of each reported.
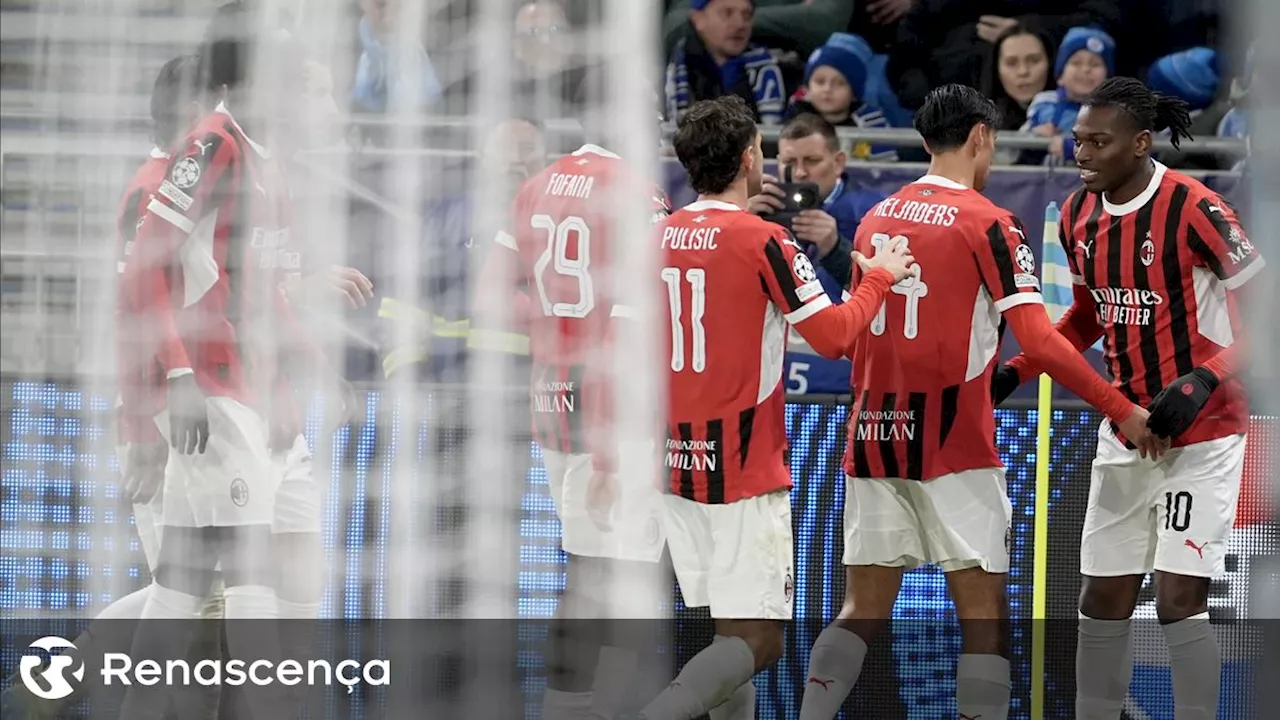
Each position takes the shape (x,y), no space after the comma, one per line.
(1160,269)
(558,250)
(210,259)
(922,373)
(140,382)
(733,282)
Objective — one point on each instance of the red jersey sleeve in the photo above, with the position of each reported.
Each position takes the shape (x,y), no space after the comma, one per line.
(790,278)
(185,199)
(1006,263)
(1215,234)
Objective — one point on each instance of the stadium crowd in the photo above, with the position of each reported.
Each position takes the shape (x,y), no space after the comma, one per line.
(864,65)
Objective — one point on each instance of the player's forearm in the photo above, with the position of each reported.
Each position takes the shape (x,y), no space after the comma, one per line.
(1078,326)
(1049,350)
(831,331)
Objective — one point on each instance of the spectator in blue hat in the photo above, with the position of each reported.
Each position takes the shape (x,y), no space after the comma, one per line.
(718,58)
(1191,75)
(1085,58)
(845,86)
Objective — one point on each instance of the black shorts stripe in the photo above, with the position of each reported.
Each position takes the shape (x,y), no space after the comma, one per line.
(1004,262)
(1171,264)
(861,466)
(781,270)
(918,405)
(128,221)
(715,468)
(1115,278)
(577,440)
(1148,347)
(685,432)
(746,424)
(947,412)
(888,449)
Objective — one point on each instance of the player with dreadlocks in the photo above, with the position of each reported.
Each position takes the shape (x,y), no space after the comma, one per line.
(1159,263)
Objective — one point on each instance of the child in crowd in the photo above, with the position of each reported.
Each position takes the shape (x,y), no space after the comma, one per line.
(845,85)
(1085,58)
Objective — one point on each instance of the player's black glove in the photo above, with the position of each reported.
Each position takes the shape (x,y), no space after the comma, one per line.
(1003,383)
(1176,407)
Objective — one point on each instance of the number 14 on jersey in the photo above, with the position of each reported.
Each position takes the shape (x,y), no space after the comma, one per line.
(913,288)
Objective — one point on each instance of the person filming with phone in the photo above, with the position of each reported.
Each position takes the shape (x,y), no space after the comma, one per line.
(814,198)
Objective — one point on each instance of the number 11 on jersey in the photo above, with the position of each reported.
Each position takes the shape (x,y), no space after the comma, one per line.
(697,279)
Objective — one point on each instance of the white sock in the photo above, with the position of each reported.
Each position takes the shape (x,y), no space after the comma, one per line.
(250,640)
(159,640)
(834,666)
(560,705)
(708,680)
(1196,661)
(128,607)
(614,678)
(982,687)
(1104,668)
(741,705)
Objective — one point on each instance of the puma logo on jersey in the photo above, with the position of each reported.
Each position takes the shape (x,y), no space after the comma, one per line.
(1015,229)
(1215,209)
(202,145)
(1087,247)
(825,684)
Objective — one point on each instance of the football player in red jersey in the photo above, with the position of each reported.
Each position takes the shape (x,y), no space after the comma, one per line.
(208,268)
(1159,263)
(924,483)
(734,282)
(550,273)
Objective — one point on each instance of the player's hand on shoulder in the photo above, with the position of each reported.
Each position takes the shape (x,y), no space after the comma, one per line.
(143,475)
(352,283)
(188,416)
(602,497)
(895,257)
(769,200)
(1135,430)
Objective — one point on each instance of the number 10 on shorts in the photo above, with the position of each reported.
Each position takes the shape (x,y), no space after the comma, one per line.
(1177,511)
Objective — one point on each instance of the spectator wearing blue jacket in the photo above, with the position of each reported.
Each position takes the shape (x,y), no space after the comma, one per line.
(394,73)
(809,147)
(718,58)
(845,83)
(1085,58)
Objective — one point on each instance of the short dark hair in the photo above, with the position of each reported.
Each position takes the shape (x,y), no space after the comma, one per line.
(1147,108)
(949,114)
(805,124)
(176,86)
(235,33)
(710,139)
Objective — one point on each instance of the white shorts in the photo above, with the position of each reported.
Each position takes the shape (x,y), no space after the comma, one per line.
(1171,515)
(737,558)
(233,482)
(955,521)
(637,532)
(299,501)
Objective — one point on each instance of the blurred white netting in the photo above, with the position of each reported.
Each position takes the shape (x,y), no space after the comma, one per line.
(436,503)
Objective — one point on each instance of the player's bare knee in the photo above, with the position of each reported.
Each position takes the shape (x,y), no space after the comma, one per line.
(1109,598)
(1178,597)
